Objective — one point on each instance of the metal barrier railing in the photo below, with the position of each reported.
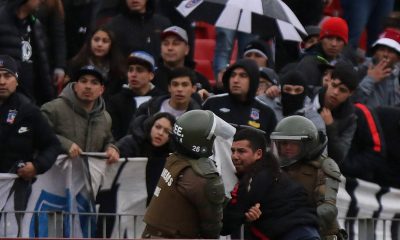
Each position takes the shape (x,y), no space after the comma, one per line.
(372,228)
(59,224)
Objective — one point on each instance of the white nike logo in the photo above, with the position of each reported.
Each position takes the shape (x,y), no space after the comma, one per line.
(224,110)
(22,130)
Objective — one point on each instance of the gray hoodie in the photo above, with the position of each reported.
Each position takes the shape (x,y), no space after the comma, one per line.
(91,131)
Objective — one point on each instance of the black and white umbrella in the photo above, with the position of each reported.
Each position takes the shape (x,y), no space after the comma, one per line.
(262,17)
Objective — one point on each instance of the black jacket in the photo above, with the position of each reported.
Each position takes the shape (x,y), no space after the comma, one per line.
(25,136)
(122,107)
(136,31)
(374,154)
(313,66)
(34,77)
(314,63)
(54,24)
(138,144)
(251,112)
(283,202)
(340,133)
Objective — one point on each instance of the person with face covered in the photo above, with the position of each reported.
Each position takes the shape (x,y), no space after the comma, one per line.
(293,99)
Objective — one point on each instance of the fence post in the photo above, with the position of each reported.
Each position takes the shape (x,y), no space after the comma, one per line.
(55,224)
(366,229)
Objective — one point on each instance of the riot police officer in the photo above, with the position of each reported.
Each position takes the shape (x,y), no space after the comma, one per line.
(300,147)
(188,200)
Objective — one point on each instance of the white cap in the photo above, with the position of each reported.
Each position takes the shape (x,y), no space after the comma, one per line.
(175,30)
(388,42)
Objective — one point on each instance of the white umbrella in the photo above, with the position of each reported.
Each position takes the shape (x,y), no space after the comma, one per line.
(262,17)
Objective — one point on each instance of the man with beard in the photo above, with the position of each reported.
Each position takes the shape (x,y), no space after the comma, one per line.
(263,188)
(79,118)
(239,105)
(28,145)
(336,109)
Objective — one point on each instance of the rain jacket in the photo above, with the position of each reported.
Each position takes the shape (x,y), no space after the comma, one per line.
(72,124)
(383,93)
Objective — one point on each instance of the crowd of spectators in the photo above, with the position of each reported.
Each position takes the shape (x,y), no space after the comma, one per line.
(103,71)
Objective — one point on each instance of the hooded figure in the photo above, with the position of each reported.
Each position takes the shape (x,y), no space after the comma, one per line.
(239,106)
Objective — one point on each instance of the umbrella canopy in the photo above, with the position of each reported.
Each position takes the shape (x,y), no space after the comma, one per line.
(262,17)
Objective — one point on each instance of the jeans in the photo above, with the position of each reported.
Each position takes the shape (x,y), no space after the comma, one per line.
(302,233)
(224,46)
(369,14)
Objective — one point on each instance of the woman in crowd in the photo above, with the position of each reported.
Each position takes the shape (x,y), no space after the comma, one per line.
(100,50)
(151,141)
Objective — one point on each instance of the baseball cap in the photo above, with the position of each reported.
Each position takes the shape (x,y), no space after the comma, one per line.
(8,64)
(142,58)
(175,30)
(389,38)
(90,70)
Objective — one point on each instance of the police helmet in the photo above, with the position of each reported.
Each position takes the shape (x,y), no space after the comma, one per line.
(193,133)
(296,138)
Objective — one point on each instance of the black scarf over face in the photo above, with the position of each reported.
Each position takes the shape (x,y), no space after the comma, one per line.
(292,103)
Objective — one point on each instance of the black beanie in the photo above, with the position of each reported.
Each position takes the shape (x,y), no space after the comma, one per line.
(269,74)
(347,75)
(294,77)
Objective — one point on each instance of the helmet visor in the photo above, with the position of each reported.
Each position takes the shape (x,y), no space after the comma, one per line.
(288,149)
